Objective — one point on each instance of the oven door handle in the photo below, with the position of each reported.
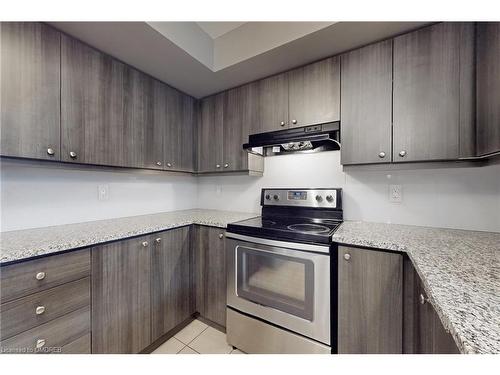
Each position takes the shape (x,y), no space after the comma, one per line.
(287,245)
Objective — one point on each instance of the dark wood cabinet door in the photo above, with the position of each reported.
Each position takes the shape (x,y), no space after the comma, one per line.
(366,110)
(370,300)
(171,302)
(423,331)
(488,87)
(240,120)
(121,311)
(314,93)
(179,141)
(30,90)
(210,133)
(210,269)
(92,105)
(427,94)
(273,103)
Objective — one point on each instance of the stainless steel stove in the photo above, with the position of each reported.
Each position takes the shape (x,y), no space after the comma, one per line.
(279,265)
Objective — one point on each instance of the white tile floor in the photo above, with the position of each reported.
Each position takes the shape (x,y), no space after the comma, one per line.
(197,338)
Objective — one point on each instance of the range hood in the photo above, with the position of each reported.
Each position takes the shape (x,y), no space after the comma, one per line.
(314,138)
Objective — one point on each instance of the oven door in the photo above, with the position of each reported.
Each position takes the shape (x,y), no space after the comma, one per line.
(284,283)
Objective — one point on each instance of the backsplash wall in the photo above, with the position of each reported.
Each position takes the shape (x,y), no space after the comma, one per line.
(37,195)
(465,198)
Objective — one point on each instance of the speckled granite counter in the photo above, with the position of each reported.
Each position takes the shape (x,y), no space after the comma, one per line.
(29,243)
(460,271)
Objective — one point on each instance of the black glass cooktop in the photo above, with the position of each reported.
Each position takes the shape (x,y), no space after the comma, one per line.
(296,229)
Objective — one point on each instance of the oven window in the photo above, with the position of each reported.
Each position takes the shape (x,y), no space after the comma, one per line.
(274,280)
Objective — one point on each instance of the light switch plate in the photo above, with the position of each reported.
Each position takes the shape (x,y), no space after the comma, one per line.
(103,192)
(395,193)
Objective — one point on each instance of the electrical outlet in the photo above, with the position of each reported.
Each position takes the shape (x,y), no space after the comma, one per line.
(395,193)
(103,192)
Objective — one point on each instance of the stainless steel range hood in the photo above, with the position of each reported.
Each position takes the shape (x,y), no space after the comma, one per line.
(306,139)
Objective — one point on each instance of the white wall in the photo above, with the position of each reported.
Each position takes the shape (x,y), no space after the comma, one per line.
(467,198)
(35,196)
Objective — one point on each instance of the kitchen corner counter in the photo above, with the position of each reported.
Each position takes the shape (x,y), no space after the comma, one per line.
(460,271)
(30,243)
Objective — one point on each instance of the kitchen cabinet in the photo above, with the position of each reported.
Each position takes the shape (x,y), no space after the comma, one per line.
(370,299)
(427,99)
(30,95)
(366,107)
(240,119)
(210,133)
(314,93)
(92,105)
(121,296)
(273,103)
(179,136)
(171,297)
(210,271)
(423,331)
(488,87)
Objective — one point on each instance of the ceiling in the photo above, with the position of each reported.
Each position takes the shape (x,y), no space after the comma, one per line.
(217,29)
(202,58)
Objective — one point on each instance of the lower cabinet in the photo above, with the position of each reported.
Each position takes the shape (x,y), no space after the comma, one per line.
(171,298)
(210,271)
(121,296)
(423,331)
(370,297)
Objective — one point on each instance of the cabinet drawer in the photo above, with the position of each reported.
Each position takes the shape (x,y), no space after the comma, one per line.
(80,346)
(51,337)
(38,308)
(19,280)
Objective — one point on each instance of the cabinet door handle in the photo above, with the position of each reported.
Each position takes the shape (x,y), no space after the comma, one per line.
(50,151)
(423,300)
(72,154)
(226,165)
(158,240)
(221,235)
(294,121)
(145,244)
(347,256)
(40,276)
(39,310)
(217,166)
(158,163)
(381,154)
(402,153)
(169,165)
(282,123)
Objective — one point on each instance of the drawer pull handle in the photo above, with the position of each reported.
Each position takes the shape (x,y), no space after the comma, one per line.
(40,310)
(40,276)
(40,343)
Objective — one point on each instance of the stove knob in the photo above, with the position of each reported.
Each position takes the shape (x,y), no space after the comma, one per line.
(268,197)
(319,198)
(329,198)
(276,197)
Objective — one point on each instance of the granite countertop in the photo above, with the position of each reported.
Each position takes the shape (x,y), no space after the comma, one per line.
(460,271)
(24,244)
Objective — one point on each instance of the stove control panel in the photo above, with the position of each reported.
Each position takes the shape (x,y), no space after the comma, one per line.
(322,198)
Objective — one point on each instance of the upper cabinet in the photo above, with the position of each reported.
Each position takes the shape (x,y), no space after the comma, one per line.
(30,93)
(179,138)
(240,120)
(366,110)
(210,133)
(488,87)
(273,103)
(427,93)
(314,93)
(93,95)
